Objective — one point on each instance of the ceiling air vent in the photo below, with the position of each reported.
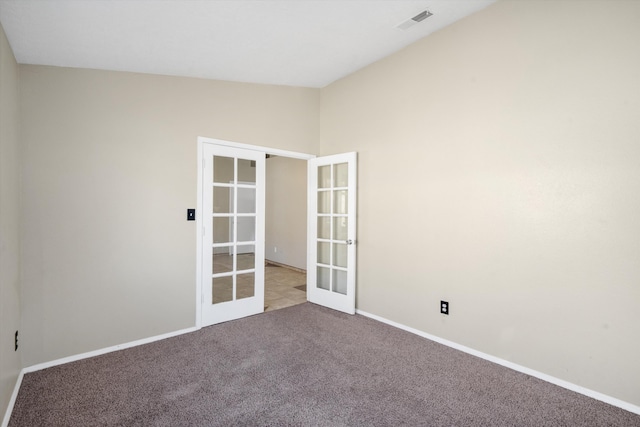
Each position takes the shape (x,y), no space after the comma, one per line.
(416,19)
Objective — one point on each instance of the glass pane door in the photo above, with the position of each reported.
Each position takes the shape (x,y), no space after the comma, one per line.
(233,246)
(332,202)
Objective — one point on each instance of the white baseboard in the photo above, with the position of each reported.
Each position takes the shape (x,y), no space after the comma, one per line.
(94,353)
(40,366)
(548,378)
(12,401)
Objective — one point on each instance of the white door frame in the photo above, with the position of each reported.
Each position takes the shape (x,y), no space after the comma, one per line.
(199,220)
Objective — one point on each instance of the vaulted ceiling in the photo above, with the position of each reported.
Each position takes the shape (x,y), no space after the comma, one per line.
(286,42)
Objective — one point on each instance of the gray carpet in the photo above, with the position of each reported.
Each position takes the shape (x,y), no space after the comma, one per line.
(299,366)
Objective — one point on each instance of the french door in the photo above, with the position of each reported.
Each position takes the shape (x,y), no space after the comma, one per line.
(233,200)
(331,240)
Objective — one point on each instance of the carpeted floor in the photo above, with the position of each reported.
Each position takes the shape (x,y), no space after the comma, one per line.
(300,366)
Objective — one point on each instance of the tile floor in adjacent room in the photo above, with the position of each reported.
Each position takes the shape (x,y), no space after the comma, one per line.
(284,287)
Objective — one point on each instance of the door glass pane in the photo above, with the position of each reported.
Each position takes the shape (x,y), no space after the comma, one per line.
(232,197)
(222,231)
(247,171)
(246,259)
(340,254)
(323,278)
(246,229)
(221,200)
(223,169)
(222,260)
(333,257)
(245,285)
(324,176)
(324,202)
(340,228)
(340,282)
(222,288)
(340,202)
(324,227)
(341,175)
(323,253)
(246,200)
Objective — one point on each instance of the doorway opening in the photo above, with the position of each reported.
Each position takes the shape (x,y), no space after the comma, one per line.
(285,232)
(226,224)
(231,230)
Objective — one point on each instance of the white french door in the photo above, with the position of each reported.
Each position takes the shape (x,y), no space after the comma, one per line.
(331,240)
(233,200)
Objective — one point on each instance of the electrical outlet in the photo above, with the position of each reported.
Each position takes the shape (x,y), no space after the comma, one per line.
(16,342)
(444,307)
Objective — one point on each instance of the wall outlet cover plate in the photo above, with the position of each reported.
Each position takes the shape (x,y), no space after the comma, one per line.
(444,307)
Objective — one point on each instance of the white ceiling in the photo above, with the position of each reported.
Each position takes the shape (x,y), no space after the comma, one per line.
(286,42)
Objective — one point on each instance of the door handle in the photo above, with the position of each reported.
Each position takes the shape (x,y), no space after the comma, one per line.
(349,242)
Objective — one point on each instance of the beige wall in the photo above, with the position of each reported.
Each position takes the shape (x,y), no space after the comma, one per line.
(507,150)
(286,211)
(10,363)
(109,171)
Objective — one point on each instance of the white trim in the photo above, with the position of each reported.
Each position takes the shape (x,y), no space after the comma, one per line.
(199,234)
(519,368)
(274,151)
(106,350)
(12,401)
(81,356)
